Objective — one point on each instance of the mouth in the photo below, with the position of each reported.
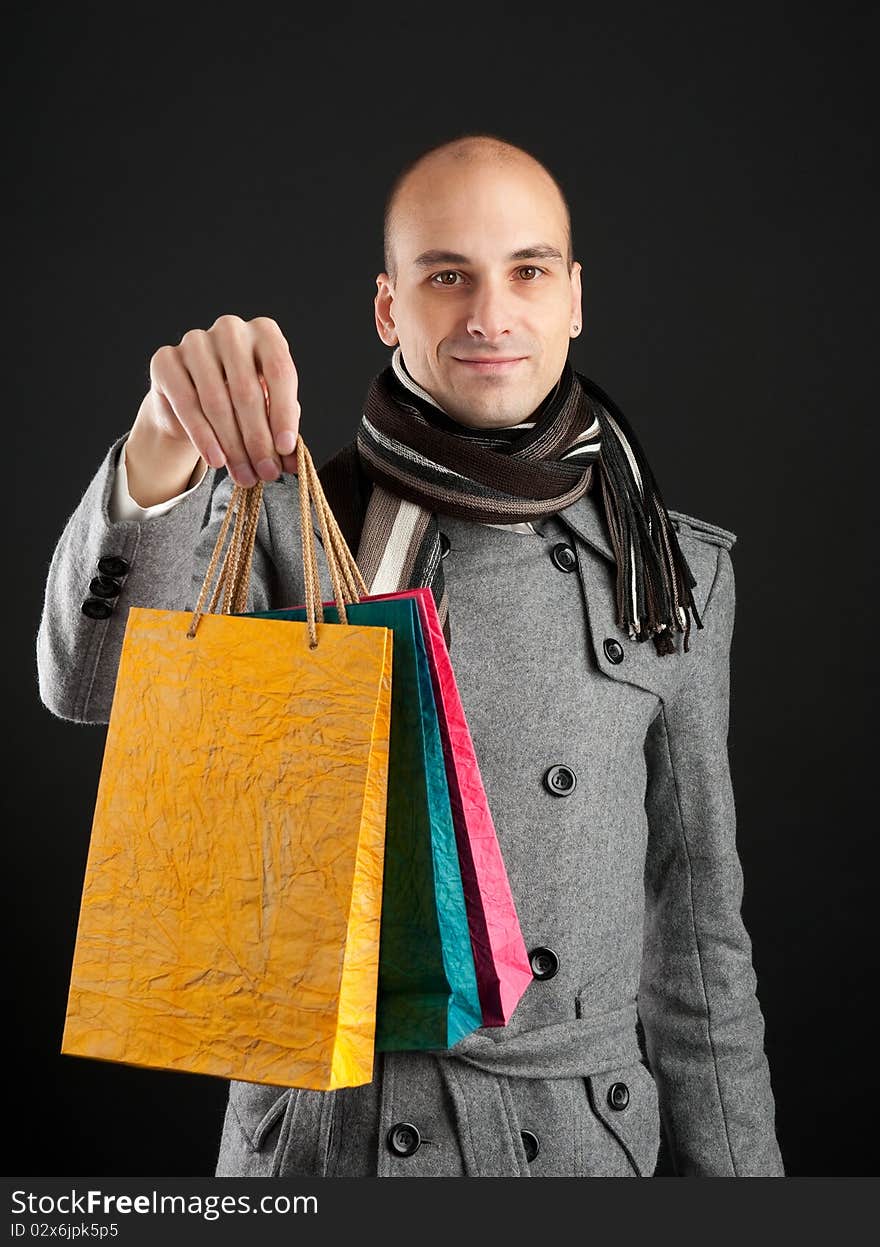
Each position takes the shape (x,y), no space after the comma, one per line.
(491,366)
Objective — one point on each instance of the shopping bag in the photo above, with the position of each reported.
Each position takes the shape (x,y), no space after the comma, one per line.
(500,956)
(231,907)
(428,994)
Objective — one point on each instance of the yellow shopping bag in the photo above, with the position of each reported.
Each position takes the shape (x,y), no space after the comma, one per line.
(231,907)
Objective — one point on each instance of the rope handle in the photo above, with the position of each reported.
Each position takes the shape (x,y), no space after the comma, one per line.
(234,578)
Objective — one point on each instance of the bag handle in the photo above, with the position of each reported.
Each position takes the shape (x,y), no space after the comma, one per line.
(234,578)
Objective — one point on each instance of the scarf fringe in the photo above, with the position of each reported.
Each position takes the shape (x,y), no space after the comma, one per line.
(654,581)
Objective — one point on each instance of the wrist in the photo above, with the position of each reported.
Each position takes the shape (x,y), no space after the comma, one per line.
(159,467)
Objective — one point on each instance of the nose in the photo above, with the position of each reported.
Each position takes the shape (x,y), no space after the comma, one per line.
(490,313)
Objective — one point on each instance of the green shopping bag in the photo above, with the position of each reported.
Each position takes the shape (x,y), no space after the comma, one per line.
(427,993)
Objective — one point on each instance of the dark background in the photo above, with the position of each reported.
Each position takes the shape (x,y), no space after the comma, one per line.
(166,166)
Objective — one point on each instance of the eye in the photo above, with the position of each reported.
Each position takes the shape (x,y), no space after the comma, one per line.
(447,273)
(451,272)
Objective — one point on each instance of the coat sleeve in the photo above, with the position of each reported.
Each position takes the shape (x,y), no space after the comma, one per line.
(167,557)
(702,1022)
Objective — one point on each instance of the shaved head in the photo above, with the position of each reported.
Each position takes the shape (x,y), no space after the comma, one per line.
(463,154)
(480,288)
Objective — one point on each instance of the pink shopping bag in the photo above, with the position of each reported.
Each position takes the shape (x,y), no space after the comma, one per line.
(500,956)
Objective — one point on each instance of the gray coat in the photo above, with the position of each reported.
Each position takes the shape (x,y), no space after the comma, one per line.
(643,1007)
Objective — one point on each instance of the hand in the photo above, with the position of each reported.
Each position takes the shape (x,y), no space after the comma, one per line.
(208,390)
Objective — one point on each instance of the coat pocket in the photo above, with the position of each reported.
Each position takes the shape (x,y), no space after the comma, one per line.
(255,1128)
(624,1106)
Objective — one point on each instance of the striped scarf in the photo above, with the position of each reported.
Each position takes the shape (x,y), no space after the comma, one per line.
(420,462)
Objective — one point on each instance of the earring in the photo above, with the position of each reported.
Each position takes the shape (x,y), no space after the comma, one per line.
(575,328)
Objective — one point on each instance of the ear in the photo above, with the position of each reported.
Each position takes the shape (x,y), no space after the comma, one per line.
(577,316)
(385,326)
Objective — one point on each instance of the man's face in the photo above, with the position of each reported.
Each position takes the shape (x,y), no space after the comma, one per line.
(477,280)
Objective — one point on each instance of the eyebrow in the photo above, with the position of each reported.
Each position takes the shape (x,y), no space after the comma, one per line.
(540,251)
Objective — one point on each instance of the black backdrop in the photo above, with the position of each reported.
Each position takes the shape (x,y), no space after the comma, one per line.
(167,166)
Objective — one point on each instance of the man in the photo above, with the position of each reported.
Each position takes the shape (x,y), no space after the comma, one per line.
(489,470)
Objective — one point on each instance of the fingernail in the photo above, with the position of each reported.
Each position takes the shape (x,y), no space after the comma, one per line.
(285,442)
(268,469)
(214,456)
(242,475)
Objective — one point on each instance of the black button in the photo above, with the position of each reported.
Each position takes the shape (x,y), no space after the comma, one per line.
(445,545)
(613,650)
(544,963)
(104,587)
(564,557)
(96,608)
(112,565)
(618,1095)
(403,1139)
(530,1143)
(560,780)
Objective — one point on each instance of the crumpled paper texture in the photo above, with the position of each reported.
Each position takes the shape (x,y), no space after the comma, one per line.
(231,907)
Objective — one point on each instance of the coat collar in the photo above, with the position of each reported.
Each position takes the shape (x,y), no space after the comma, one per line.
(587,519)
(633,662)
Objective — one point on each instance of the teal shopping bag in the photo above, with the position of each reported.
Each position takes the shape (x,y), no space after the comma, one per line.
(428,995)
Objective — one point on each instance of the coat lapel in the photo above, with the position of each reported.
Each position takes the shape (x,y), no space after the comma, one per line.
(616,654)
(586,519)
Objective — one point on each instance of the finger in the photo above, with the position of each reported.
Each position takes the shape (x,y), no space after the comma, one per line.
(233,340)
(221,362)
(288,461)
(176,401)
(278,370)
(290,464)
